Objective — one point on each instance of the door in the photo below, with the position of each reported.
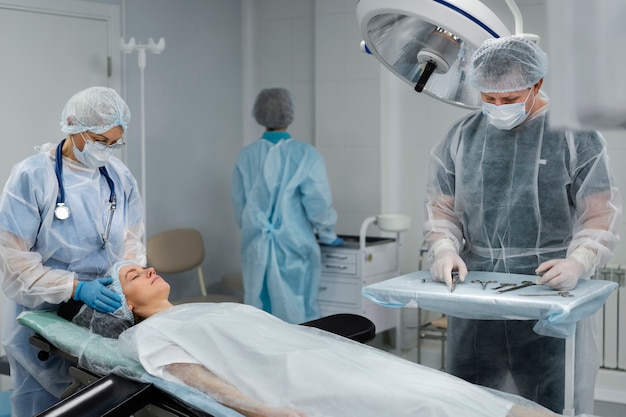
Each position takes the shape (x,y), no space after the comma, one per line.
(46,55)
(48,51)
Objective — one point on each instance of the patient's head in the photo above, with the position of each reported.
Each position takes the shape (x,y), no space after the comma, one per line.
(144,291)
(143,294)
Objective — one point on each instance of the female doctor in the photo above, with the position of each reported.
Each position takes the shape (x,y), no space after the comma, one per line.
(67,214)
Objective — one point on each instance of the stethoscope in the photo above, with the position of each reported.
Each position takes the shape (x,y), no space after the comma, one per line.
(62,212)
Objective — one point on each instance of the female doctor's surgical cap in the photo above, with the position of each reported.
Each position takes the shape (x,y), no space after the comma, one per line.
(507,64)
(96,109)
(114,272)
(273,108)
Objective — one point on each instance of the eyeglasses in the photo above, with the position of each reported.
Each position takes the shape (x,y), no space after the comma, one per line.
(102,141)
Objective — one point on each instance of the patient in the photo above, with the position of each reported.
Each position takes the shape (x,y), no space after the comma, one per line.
(258,365)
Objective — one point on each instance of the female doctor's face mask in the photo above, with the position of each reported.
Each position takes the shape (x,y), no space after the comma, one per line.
(507,116)
(94,154)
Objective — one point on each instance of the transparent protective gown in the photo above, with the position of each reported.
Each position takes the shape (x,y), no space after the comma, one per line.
(281,196)
(512,199)
(41,256)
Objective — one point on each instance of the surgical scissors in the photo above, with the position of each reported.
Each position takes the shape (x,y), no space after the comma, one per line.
(483,283)
(558,294)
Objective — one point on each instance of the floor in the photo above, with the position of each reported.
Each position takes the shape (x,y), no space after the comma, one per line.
(431,357)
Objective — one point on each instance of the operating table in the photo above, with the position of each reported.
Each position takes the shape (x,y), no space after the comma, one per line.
(128,390)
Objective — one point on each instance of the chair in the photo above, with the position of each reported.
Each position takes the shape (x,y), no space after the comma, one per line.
(180,250)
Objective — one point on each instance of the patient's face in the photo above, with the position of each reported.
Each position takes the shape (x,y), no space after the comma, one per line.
(142,286)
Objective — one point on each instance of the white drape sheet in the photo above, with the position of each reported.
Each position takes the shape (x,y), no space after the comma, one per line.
(289,365)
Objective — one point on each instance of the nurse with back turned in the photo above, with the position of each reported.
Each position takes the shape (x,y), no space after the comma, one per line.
(282,198)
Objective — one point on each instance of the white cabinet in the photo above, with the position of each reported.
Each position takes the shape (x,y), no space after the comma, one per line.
(348,268)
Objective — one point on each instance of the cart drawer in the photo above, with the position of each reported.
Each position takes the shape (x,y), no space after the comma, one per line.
(338,257)
(339,292)
(338,268)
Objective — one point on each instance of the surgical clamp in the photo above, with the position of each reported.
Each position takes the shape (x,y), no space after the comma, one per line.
(483,283)
(558,294)
(504,284)
(455,279)
(524,284)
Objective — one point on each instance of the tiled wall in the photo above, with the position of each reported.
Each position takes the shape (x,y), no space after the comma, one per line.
(374,131)
(347,114)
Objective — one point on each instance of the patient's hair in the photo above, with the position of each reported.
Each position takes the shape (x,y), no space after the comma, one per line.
(100,323)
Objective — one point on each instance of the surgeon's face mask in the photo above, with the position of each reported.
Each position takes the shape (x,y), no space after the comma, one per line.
(94,154)
(507,116)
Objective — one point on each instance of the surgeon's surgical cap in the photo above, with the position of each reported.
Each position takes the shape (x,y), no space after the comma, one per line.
(124,311)
(507,64)
(97,109)
(273,108)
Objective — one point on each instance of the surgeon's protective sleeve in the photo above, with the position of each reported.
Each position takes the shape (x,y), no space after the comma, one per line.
(511,200)
(284,365)
(41,256)
(281,195)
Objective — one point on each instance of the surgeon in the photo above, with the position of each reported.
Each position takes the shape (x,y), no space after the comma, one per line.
(507,193)
(67,214)
(281,197)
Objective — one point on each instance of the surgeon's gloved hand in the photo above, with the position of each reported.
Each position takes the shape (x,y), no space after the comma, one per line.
(446,260)
(560,274)
(336,242)
(563,274)
(97,296)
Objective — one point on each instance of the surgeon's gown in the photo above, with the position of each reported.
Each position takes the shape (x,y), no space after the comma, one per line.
(41,256)
(281,195)
(287,365)
(511,200)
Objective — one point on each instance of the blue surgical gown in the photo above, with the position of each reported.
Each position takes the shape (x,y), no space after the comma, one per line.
(41,256)
(281,196)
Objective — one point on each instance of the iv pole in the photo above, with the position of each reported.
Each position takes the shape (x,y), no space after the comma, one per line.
(155,48)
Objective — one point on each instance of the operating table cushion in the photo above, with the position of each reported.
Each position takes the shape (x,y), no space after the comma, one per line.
(102,356)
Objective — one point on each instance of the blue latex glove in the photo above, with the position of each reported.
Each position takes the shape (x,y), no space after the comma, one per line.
(336,242)
(97,296)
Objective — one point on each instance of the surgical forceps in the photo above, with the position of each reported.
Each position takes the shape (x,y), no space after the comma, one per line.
(558,294)
(483,283)
(455,279)
(524,284)
(504,284)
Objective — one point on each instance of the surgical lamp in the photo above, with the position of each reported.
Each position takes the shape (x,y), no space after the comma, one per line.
(428,43)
